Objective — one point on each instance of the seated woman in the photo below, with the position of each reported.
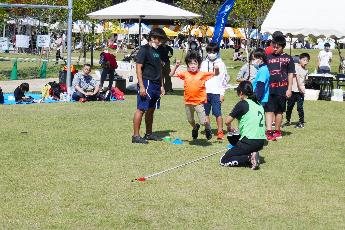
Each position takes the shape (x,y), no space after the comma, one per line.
(85,88)
(19,93)
(250,114)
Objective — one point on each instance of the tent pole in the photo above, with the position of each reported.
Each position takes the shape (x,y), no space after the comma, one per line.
(69,46)
(140,18)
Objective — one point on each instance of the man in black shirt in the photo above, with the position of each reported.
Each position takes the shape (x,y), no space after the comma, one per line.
(165,52)
(282,68)
(150,85)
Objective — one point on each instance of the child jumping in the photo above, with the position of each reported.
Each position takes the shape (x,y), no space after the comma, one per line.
(215,87)
(250,115)
(195,91)
(298,90)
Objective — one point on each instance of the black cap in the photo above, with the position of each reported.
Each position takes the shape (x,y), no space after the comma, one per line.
(277,34)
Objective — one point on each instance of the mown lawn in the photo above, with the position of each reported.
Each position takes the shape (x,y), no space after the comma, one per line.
(73,170)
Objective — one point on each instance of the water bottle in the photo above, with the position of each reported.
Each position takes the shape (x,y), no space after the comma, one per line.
(61,97)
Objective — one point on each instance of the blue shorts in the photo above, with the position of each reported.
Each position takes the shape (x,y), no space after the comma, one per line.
(152,99)
(213,101)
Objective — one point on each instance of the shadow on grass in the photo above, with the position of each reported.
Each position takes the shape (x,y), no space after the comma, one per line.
(164,133)
(199,142)
(286,133)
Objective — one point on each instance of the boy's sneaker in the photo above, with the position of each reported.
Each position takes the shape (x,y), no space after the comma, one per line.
(277,134)
(254,159)
(287,123)
(139,140)
(152,137)
(208,134)
(299,125)
(269,135)
(195,131)
(220,135)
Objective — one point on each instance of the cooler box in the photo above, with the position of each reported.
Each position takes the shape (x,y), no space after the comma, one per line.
(311,95)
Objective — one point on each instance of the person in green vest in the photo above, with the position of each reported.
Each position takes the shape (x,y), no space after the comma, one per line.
(251,117)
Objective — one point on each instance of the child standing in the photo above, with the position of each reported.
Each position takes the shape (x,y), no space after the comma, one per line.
(298,90)
(150,85)
(195,91)
(282,69)
(215,87)
(262,79)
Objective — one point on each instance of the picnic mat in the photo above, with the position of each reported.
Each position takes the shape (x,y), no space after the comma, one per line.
(10,100)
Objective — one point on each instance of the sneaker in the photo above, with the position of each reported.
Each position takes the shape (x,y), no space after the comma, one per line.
(139,140)
(195,131)
(269,136)
(152,137)
(299,125)
(220,135)
(208,134)
(254,159)
(82,100)
(277,134)
(287,123)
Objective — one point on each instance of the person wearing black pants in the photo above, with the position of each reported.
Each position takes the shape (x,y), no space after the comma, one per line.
(250,114)
(298,90)
(299,98)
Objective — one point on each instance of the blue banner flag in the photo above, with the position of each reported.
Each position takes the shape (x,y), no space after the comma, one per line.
(222,16)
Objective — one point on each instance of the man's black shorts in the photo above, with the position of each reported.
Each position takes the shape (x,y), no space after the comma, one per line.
(275,104)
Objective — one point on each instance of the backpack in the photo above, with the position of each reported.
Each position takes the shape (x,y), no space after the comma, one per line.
(55,90)
(110,58)
(117,93)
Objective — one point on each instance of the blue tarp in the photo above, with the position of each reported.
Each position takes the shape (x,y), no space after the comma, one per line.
(9,99)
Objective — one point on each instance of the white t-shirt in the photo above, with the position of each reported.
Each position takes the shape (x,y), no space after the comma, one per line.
(324,58)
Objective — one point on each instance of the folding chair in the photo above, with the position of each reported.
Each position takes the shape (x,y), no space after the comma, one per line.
(340,78)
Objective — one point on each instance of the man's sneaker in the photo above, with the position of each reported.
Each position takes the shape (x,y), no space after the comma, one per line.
(220,135)
(277,134)
(195,131)
(299,125)
(269,135)
(152,137)
(139,140)
(208,134)
(287,123)
(254,159)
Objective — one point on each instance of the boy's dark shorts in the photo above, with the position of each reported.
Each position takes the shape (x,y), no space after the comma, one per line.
(152,99)
(213,100)
(275,104)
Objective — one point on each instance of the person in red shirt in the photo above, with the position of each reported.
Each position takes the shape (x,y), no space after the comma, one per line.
(195,91)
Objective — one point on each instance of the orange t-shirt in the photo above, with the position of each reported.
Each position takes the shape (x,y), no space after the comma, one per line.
(194,86)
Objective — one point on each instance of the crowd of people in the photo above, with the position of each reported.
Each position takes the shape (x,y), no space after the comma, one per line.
(269,86)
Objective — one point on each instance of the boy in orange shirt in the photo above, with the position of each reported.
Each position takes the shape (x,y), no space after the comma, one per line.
(195,91)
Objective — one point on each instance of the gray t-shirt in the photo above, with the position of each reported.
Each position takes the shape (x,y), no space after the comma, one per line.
(300,76)
(246,74)
(87,83)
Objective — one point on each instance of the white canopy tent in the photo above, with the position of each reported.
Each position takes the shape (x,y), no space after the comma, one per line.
(306,17)
(134,29)
(148,9)
(142,9)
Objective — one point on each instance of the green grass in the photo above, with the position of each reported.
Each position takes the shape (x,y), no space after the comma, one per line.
(73,170)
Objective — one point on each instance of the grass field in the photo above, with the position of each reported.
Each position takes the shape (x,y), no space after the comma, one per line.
(73,170)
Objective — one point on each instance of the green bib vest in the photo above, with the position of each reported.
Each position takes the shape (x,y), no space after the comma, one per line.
(252,124)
